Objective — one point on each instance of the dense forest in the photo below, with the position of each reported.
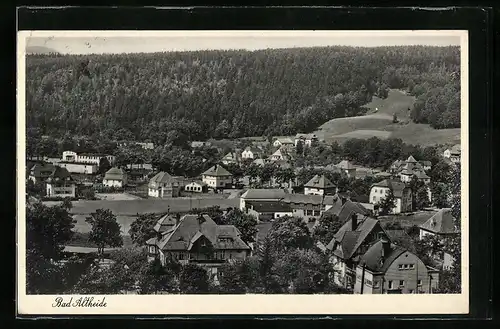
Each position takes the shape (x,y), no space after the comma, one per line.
(228,94)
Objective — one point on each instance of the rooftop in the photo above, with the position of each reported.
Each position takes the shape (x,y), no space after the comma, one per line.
(320,182)
(346,165)
(271,194)
(376,259)
(396,186)
(270,206)
(115,174)
(442,222)
(217,171)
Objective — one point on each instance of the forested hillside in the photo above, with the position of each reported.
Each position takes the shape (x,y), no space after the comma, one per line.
(227,94)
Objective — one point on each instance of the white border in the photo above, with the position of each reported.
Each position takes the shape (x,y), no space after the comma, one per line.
(243,304)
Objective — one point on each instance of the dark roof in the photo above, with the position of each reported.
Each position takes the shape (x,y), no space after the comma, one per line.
(426,163)
(165,223)
(115,174)
(256,194)
(303,199)
(349,208)
(217,171)
(42,169)
(161,178)
(193,227)
(351,240)
(395,235)
(376,261)
(59,174)
(270,206)
(442,222)
(396,186)
(320,182)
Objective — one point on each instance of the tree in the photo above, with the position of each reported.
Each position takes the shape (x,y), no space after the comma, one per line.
(193,280)
(142,229)
(154,278)
(231,278)
(105,230)
(299,147)
(245,223)
(48,229)
(420,193)
(328,226)
(104,165)
(388,203)
(290,232)
(98,280)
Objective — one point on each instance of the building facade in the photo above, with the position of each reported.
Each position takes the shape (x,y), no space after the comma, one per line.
(217,177)
(402,195)
(115,177)
(60,184)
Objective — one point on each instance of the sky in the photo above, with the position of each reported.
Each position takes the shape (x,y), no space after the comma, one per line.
(98,43)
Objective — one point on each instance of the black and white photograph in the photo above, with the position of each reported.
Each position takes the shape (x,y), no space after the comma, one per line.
(240,164)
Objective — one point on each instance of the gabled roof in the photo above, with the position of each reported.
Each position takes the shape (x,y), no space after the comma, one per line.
(349,208)
(59,174)
(271,194)
(280,152)
(441,222)
(115,174)
(336,203)
(253,149)
(375,259)
(193,227)
(161,178)
(411,159)
(217,171)
(284,140)
(259,162)
(351,240)
(396,186)
(39,169)
(420,174)
(320,182)
(231,156)
(456,148)
(305,136)
(165,223)
(344,164)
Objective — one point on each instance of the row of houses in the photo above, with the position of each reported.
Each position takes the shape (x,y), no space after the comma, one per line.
(367,261)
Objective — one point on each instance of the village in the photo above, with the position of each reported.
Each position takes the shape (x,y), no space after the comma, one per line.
(380,214)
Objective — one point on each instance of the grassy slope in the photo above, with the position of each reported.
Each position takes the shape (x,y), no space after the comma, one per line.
(380,124)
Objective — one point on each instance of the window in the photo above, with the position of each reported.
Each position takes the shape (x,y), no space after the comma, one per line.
(368,282)
(401,266)
(411,266)
(376,284)
(390,284)
(374,198)
(316,213)
(410,291)
(419,283)
(406,266)
(401,283)
(181,256)
(309,212)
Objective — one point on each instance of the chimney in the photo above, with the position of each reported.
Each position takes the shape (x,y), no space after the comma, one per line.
(386,248)
(354,222)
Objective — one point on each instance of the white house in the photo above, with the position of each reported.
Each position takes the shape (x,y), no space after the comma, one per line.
(319,185)
(306,139)
(402,194)
(60,184)
(115,177)
(251,152)
(347,168)
(231,157)
(261,195)
(88,158)
(217,177)
(164,185)
(196,187)
(279,155)
(285,141)
(453,154)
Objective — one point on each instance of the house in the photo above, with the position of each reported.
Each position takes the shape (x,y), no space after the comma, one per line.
(386,268)
(320,185)
(197,239)
(402,194)
(283,142)
(268,210)
(453,153)
(441,224)
(347,168)
(198,144)
(39,172)
(426,164)
(406,175)
(305,139)
(196,187)
(115,177)
(351,241)
(60,184)
(308,207)
(87,158)
(231,158)
(79,167)
(163,185)
(146,146)
(217,177)
(251,152)
(279,155)
(260,195)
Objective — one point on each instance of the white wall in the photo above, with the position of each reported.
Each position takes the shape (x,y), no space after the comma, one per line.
(112,183)
(313,191)
(79,168)
(67,190)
